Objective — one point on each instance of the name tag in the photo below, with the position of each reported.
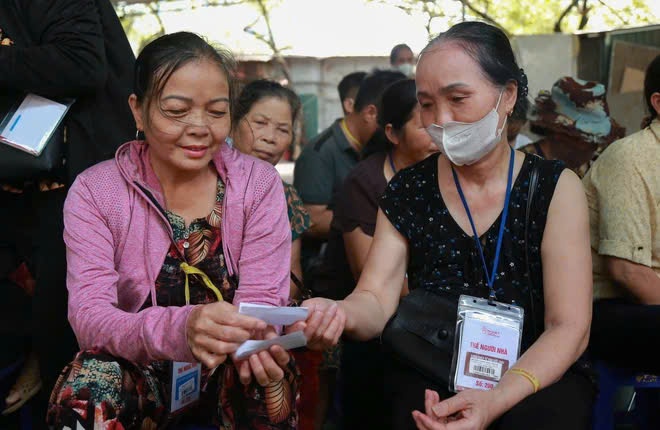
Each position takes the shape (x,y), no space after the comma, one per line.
(186,380)
(488,343)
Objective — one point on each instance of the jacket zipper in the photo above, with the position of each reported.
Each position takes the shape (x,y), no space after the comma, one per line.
(225,244)
(151,199)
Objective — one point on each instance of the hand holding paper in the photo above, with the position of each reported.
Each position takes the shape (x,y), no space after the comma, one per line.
(274,315)
(289,341)
(266,358)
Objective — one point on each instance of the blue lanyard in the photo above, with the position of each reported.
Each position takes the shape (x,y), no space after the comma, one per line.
(490,279)
(392,162)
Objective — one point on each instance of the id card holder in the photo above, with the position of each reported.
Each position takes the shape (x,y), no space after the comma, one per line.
(185,386)
(487,342)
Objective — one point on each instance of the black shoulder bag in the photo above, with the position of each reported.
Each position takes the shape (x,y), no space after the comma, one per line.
(17,165)
(421,332)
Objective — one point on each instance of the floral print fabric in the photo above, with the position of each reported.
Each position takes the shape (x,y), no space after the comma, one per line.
(298,217)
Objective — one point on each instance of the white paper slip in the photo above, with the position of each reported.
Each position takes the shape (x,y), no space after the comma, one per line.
(31,125)
(274,315)
(288,341)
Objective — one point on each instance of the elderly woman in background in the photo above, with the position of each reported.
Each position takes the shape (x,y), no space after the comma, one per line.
(575,124)
(264,126)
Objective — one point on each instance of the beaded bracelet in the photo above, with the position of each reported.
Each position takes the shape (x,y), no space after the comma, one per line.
(529,376)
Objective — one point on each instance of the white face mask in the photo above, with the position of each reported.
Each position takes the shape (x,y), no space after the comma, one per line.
(466,143)
(406,68)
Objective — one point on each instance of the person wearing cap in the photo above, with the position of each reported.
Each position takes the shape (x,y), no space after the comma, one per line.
(575,124)
(623,192)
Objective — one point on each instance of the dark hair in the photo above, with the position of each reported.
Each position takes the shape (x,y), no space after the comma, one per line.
(163,56)
(397,104)
(261,89)
(491,49)
(349,85)
(372,87)
(651,85)
(396,50)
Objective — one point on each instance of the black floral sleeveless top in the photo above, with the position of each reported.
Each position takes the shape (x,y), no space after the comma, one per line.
(444,259)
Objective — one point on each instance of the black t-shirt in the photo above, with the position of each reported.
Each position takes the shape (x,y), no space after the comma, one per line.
(356,205)
(444,259)
(357,201)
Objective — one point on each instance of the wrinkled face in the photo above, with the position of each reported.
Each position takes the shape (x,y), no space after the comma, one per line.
(404,56)
(266,132)
(190,118)
(414,141)
(452,87)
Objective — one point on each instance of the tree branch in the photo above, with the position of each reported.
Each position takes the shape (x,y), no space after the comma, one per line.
(614,12)
(209,3)
(269,39)
(484,16)
(584,15)
(557,28)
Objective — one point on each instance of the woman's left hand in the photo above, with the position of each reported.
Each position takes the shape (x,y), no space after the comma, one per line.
(266,366)
(467,410)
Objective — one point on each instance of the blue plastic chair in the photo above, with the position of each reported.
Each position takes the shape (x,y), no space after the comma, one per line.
(644,415)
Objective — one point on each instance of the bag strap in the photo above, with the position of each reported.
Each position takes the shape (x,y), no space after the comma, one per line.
(533,180)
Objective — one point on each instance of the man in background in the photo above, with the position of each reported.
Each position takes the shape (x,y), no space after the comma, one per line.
(348,88)
(327,159)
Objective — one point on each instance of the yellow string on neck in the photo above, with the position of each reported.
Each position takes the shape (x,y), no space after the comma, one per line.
(191,270)
(348,134)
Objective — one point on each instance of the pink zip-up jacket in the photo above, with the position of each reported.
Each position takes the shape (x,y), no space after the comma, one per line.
(117,239)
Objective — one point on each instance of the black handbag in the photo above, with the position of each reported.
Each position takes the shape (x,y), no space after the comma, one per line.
(17,165)
(421,332)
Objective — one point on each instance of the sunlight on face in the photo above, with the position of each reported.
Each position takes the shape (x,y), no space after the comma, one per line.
(190,118)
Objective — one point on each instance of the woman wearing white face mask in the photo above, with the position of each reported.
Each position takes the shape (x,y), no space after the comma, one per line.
(459,224)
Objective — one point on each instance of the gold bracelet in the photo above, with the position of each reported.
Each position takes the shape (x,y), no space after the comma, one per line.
(529,376)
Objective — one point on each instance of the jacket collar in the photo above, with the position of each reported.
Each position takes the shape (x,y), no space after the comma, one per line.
(132,159)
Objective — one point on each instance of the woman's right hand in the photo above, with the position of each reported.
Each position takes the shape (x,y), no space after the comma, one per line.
(324,325)
(216,330)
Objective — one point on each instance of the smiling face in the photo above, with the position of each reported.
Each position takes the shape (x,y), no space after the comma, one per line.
(452,87)
(266,132)
(185,124)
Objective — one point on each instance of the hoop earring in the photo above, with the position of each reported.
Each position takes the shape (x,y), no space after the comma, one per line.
(137,134)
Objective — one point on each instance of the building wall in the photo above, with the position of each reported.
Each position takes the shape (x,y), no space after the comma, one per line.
(321,77)
(545,58)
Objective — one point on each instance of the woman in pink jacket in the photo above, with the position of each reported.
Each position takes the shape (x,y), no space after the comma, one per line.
(163,243)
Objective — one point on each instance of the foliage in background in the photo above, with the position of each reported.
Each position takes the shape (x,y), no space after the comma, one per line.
(132,14)
(142,19)
(529,16)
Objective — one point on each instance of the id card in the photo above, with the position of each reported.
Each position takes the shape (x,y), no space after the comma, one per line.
(488,342)
(186,380)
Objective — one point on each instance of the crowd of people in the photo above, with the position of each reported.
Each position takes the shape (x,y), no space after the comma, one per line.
(440,187)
